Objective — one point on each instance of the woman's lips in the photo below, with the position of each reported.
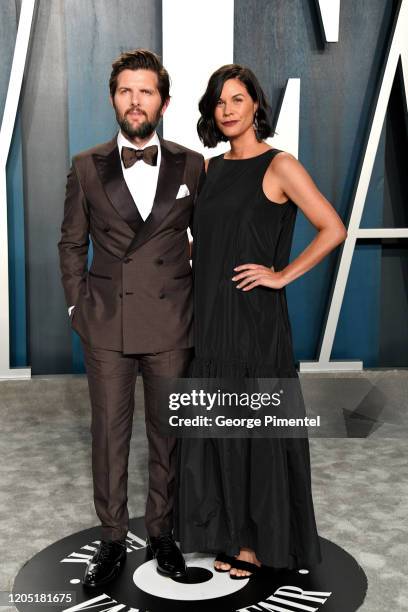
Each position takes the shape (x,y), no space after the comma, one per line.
(229,123)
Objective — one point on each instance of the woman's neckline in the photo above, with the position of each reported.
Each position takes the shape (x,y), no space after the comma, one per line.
(247,158)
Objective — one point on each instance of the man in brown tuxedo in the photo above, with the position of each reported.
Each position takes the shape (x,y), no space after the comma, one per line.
(134,197)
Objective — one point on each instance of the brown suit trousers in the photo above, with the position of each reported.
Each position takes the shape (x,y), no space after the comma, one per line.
(111,379)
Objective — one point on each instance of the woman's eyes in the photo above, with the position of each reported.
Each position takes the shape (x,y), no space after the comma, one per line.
(221,102)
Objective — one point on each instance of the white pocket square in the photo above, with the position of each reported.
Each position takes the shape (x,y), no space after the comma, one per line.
(182,192)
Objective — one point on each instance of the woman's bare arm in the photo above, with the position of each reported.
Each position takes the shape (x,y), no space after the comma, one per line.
(299,187)
(288,177)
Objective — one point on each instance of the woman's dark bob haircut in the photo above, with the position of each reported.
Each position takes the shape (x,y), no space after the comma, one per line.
(207,129)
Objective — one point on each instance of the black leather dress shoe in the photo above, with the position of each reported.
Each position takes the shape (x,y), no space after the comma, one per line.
(170,561)
(106,563)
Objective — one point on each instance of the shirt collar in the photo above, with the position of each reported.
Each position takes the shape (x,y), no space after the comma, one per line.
(124,142)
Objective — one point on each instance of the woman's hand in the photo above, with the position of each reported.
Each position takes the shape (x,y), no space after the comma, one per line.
(255,275)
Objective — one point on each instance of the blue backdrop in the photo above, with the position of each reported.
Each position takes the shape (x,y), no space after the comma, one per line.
(338,84)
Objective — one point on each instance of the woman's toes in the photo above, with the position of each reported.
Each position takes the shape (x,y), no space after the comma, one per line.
(222,566)
(239,573)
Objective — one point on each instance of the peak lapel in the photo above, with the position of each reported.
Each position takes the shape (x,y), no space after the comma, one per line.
(110,173)
(170,176)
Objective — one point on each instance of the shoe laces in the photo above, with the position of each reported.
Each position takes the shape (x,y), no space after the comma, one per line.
(166,542)
(105,550)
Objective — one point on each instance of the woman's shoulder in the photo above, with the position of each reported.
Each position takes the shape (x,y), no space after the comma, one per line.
(210,161)
(282,162)
(280,156)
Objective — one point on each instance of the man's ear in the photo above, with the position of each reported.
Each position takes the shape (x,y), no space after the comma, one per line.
(111,100)
(164,107)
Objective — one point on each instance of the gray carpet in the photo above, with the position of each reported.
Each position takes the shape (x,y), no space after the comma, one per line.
(359,485)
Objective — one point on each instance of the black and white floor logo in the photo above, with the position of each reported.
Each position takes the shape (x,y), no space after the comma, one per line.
(337,585)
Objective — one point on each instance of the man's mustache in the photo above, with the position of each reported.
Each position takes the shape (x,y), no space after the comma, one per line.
(135,108)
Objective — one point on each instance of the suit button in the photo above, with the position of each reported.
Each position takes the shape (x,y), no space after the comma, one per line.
(129,292)
(120,295)
(159,261)
(162,296)
(127,260)
(106,229)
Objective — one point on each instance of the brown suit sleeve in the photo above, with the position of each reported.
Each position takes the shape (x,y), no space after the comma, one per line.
(200,178)
(74,243)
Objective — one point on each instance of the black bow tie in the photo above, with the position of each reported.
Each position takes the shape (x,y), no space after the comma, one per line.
(131,156)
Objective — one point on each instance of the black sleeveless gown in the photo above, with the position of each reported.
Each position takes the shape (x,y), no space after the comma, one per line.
(235,493)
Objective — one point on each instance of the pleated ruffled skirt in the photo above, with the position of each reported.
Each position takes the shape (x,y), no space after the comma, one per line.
(243,492)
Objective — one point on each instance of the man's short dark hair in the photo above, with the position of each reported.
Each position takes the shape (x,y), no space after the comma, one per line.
(207,129)
(140,59)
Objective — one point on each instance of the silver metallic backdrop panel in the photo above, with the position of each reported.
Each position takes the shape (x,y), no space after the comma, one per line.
(44,125)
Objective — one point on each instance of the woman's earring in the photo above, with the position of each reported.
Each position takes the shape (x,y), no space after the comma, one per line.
(255,125)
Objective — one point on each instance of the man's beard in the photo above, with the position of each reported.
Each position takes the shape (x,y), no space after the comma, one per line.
(143,130)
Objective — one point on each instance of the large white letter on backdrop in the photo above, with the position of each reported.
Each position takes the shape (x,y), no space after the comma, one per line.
(6,134)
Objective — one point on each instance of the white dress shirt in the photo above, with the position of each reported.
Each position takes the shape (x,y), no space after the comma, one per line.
(141,178)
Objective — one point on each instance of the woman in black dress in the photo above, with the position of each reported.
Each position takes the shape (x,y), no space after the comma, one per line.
(249,500)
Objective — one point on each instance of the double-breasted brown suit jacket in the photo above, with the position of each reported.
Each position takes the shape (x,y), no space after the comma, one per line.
(137,295)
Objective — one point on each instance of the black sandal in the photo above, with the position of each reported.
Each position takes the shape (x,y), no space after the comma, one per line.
(223,558)
(245,565)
